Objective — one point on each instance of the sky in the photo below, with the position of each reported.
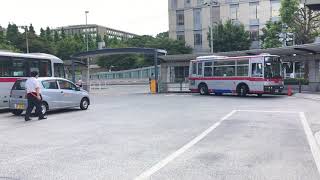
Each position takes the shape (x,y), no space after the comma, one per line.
(142,17)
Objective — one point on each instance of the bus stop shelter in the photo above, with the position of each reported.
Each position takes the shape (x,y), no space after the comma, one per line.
(117,51)
(174,68)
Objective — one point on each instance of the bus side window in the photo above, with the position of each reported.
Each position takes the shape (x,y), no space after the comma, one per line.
(256,70)
(194,68)
(200,68)
(45,68)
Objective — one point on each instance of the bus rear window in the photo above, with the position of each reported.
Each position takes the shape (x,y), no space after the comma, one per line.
(19,85)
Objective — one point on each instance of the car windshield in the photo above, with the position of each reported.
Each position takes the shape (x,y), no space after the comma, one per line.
(272,67)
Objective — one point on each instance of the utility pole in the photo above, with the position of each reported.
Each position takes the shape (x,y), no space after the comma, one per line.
(88,59)
(27,41)
(211,4)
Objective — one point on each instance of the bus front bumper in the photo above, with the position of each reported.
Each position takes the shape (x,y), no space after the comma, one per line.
(273,89)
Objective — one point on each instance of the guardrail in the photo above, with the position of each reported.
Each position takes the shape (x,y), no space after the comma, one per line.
(104,84)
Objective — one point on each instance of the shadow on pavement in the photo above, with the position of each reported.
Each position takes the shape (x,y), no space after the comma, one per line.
(4,111)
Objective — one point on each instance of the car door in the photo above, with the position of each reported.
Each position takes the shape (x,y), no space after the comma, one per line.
(51,94)
(69,93)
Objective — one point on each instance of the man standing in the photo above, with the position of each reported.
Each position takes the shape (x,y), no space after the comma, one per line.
(33,96)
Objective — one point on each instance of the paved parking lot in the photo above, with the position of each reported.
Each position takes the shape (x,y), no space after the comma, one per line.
(134,135)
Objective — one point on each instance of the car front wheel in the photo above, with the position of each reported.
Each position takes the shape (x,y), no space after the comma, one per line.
(84,104)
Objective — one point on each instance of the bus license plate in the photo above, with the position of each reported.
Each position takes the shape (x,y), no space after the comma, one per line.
(19,106)
(276,90)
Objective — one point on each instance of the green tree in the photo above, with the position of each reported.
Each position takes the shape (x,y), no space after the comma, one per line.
(31,30)
(230,37)
(13,35)
(2,36)
(49,34)
(98,38)
(56,37)
(63,34)
(301,21)
(271,35)
(163,35)
(42,33)
(66,47)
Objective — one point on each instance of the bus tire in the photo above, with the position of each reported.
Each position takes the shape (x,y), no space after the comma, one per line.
(259,95)
(17,112)
(203,89)
(242,90)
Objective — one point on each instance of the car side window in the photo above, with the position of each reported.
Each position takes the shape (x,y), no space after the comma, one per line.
(66,85)
(50,84)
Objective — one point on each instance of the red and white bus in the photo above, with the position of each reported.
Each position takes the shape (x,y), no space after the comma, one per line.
(17,65)
(260,74)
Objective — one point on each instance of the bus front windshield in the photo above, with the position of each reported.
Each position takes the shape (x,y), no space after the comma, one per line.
(272,67)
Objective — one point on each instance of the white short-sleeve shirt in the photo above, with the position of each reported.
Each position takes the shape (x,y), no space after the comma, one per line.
(32,84)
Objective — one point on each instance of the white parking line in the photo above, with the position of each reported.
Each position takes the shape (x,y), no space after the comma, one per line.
(311,139)
(180,151)
(263,111)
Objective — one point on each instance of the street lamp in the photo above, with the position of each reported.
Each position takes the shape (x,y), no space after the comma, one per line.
(88,59)
(26,32)
(211,4)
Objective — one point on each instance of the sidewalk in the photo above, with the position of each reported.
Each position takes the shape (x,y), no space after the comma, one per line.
(308,95)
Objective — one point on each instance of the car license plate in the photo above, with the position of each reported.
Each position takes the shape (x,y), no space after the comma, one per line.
(19,106)
(276,90)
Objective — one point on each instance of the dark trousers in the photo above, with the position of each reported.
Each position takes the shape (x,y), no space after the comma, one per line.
(33,102)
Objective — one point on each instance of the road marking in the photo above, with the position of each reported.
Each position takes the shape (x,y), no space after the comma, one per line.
(311,139)
(263,111)
(146,174)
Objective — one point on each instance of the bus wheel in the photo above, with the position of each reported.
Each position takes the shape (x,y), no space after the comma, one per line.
(203,89)
(259,95)
(243,90)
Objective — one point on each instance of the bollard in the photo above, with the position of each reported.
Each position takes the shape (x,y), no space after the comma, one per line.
(289,91)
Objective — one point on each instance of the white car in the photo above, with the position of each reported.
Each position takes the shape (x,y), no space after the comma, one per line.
(57,93)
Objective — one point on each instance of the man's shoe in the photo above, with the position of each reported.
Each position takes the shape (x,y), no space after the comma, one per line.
(27,119)
(42,118)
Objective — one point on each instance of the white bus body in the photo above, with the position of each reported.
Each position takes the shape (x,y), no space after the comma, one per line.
(17,65)
(261,74)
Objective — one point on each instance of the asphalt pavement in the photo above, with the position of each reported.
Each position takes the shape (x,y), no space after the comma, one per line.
(130,134)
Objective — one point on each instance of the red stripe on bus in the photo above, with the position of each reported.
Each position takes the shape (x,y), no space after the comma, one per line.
(8,79)
(236,79)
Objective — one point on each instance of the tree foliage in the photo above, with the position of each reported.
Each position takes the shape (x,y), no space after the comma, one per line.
(301,21)
(271,35)
(229,36)
(63,45)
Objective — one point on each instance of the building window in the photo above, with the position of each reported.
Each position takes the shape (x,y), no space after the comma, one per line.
(234,11)
(197,19)
(187,3)
(180,36)
(174,4)
(254,10)
(254,33)
(200,2)
(197,38)
(275,8)
(180,18)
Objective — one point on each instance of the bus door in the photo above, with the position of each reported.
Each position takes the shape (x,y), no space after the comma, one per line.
(256,73)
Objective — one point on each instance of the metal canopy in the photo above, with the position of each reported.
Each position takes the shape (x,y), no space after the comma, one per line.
(305,49)
(117,51)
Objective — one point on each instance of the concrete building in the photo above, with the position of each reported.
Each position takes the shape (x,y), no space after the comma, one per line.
(94,30)
(312,4)
(190,20)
